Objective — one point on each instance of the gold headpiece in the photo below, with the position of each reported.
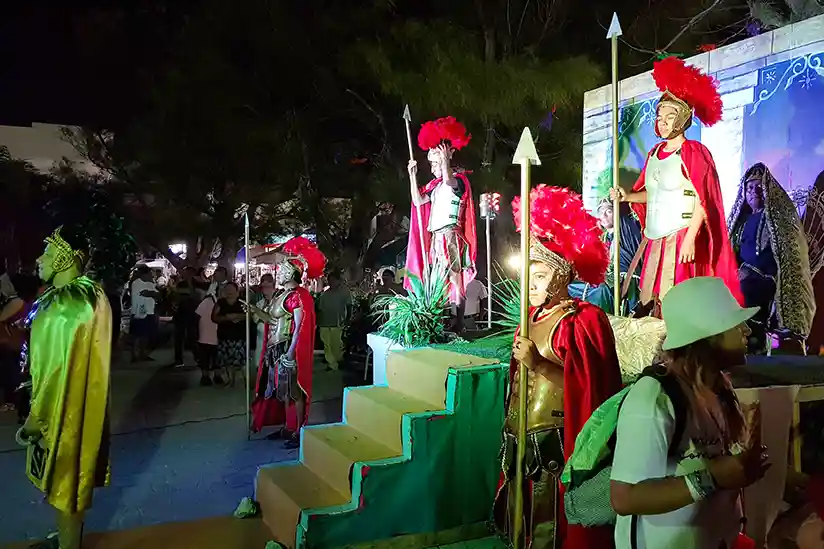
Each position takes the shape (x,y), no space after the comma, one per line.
(684,112)
(539,252)
(64,256)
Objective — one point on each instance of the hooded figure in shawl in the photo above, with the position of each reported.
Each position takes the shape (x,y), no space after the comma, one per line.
(66,434)
(773,257)
(445,210)
(572,365)
(283,390)
(677,196)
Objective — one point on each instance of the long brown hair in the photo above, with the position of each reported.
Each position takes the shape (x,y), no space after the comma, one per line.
(693,365)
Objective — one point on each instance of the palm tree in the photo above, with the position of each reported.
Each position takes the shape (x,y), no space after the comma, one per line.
(779,13)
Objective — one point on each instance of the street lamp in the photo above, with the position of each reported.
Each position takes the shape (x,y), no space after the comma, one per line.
(490,205)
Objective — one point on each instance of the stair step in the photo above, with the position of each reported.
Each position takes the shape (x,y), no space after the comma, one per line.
(284,490)
(331,451)
(415,373)
(411,373)
(379,411)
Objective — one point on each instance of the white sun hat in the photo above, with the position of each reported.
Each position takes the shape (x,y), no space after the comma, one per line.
(699,308)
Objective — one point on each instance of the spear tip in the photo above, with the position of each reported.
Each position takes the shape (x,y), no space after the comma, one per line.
(614,27)
(526,153)
(406,115)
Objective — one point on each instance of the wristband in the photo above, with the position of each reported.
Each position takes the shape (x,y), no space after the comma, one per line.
(700,484)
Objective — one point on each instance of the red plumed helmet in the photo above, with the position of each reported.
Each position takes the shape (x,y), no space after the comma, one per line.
(448,129)
(690,85)
(560,222)
(305,254)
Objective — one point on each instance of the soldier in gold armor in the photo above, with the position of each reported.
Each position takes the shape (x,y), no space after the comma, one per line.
(571,363)
(283,391)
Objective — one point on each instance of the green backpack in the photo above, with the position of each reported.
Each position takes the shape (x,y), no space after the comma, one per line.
(586,475)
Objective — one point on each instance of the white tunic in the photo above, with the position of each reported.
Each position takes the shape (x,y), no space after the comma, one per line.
(670,196)
(445,209)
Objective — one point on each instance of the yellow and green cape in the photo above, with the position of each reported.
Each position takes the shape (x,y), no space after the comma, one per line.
(70,355)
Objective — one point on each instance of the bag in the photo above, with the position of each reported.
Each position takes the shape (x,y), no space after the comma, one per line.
(586,475)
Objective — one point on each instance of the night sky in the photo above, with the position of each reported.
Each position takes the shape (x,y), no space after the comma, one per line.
(64,64)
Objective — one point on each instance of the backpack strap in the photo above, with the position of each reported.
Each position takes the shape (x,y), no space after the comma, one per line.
(680,405)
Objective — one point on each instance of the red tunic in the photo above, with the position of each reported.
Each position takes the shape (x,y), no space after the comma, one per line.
(586,344)
(268,412)
(713,253)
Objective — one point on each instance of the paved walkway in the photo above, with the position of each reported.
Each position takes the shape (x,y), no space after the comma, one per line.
(180,452)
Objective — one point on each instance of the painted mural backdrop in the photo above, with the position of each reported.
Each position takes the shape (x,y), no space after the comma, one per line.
(636,136)
(784,127)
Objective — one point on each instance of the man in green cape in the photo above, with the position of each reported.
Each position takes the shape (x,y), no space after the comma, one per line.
(66,435)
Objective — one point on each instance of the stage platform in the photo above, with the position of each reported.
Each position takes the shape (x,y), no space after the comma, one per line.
(215,533)
(232,533)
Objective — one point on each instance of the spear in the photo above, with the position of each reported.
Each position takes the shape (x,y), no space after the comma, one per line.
(612,35)
(407,118)
(248,320)
(526,156)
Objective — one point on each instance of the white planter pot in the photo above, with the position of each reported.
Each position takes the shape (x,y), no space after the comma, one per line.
(381,347)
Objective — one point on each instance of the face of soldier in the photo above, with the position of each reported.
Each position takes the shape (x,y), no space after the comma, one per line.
(667,116)
(439,159)
(544,283)
(284,273)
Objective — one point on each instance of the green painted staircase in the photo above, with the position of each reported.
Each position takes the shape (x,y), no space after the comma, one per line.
(415,457)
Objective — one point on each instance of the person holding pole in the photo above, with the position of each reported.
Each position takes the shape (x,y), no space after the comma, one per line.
(571,362)
(678,195)
(283,390)
(445,209)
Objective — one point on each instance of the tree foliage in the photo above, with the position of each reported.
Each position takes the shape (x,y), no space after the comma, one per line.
(292,111)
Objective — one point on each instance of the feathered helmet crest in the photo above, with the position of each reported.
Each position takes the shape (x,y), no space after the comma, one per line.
(304,255)
(443,130)
(562,229)
(689,90)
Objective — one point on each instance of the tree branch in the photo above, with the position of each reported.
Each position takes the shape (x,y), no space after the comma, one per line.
(691,23)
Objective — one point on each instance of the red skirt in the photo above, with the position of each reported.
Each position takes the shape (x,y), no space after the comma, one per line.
(662,270)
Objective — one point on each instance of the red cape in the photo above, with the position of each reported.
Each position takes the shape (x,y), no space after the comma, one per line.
(414,253)
(585,342)
(268,412)
(702,173)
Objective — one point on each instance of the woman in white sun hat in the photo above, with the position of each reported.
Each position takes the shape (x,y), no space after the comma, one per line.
(685,494)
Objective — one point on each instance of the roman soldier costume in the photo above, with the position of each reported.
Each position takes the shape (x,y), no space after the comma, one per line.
(283,380)
(575,336)
(676,182)
(447,217)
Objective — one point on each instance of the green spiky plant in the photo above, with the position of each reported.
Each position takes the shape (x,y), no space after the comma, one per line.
(419,318)
(507,297)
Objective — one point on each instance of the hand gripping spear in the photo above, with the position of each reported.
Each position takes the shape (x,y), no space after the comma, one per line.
(526,156)
(612,35)
(424,252)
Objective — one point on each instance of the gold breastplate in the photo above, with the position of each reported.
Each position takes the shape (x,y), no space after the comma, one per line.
(545,400)
(281,329)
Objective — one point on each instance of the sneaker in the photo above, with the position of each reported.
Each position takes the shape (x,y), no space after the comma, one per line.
(280,434)
(205,381)
(292,444)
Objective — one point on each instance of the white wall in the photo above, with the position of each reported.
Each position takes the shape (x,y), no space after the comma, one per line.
(42,145)
(736,67)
